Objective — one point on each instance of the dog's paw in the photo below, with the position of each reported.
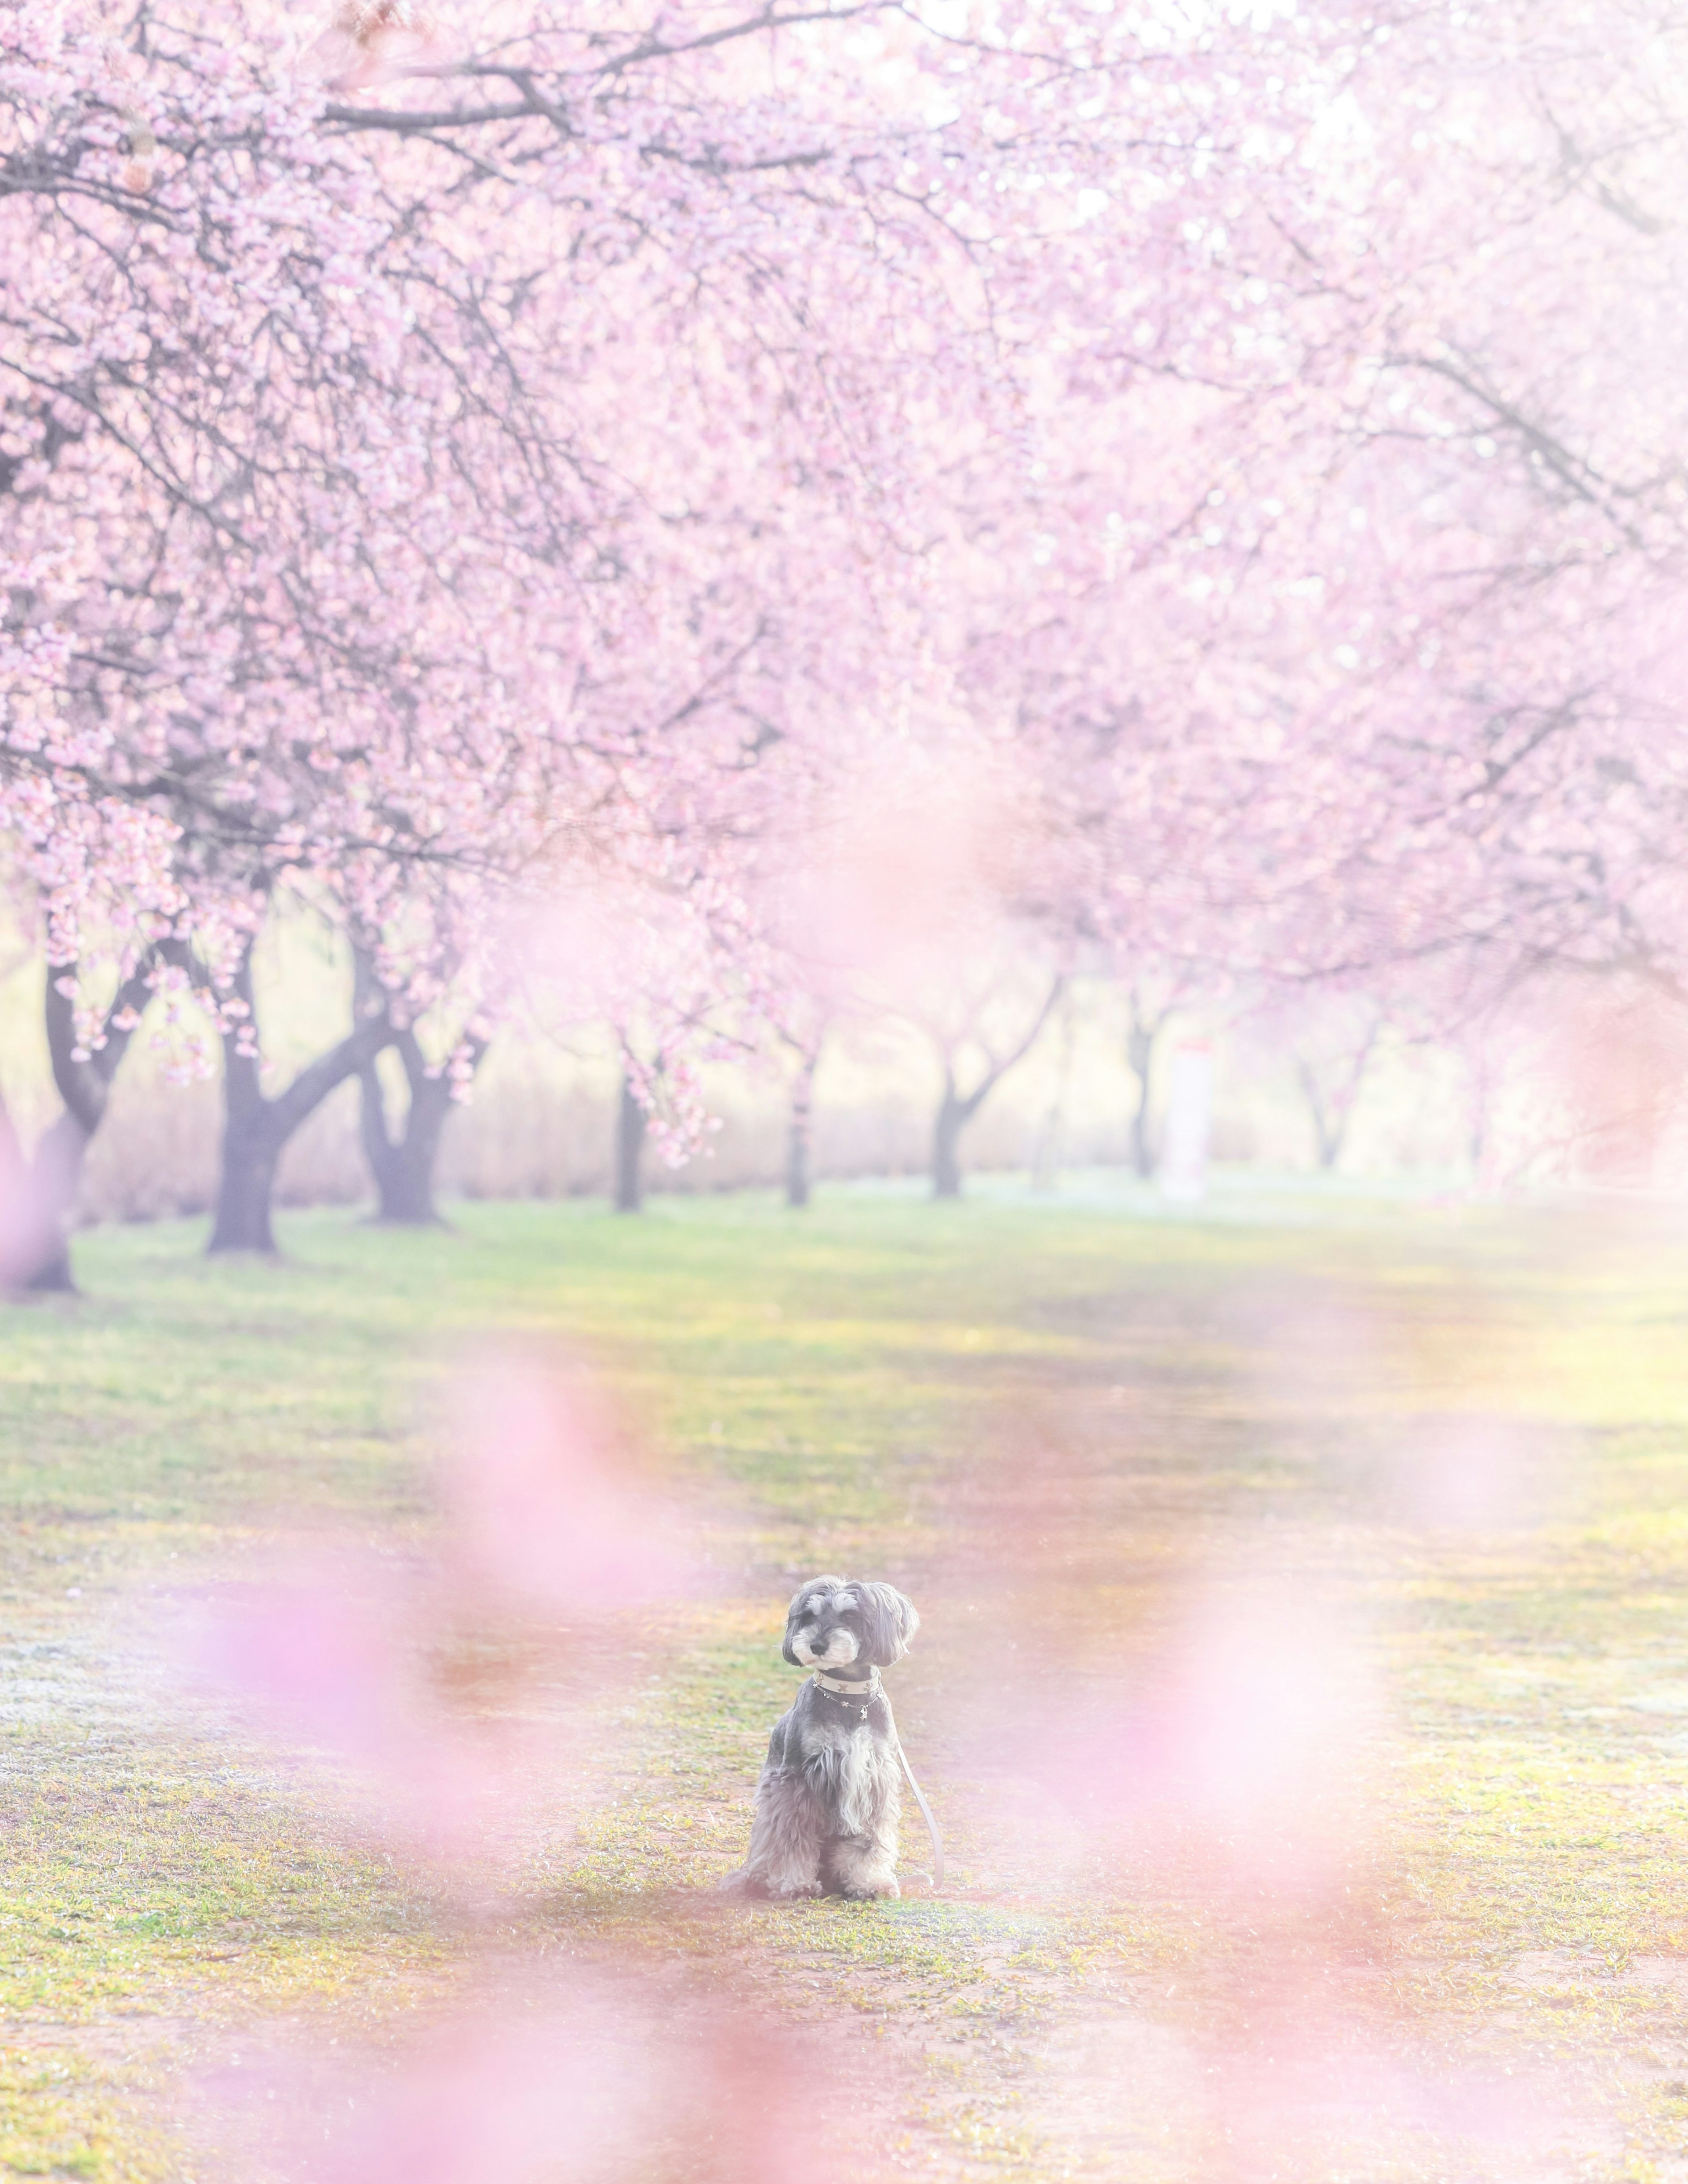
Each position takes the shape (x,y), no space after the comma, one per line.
(871,1891)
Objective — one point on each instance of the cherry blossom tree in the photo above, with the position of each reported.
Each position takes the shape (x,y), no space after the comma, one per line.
(1332,1047)
(39,1192)
(1154,996)
(1345,607)
(806,1047)
(1466,522)
(402,1150)
(345,508)
(983,1018)
(382,603)
(441,461)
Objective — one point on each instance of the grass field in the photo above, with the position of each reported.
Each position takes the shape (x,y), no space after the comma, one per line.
(1453,1439)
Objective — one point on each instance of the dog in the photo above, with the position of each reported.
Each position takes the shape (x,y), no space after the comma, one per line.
(829,1799)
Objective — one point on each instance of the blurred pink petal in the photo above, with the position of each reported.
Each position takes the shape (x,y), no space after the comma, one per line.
(1306,2093)
(327,1661)
(615,2081)
(1307,2075)
(346,1663)
(546,1509)
(1240,1744)
(325,1665)
(1468,1473)
(911,865)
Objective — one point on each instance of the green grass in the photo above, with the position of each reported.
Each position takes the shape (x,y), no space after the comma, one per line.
(1073,1409)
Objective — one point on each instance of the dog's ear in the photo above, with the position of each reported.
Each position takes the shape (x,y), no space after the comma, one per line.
(888,1622)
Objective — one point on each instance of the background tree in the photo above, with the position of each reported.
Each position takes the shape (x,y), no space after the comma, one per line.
(403,1151)
(429,470)
(632,1127)
(84,1064)
(806,1053)
(982,1026)
(1153,1000)
(257,1125)
(1334,1041)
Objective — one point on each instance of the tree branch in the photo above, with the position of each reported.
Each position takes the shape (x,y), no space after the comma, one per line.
(999,1070)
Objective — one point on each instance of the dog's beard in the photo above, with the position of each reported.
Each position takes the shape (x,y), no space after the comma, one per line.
(836,1650)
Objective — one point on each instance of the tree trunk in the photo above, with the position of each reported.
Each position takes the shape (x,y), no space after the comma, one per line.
(1332,1117)
(256,1129)
(55,1178)
(403,1166)
(251,1149)
(953,1113)
(1477,1143)
(84,1082)
(799,1141)
(1327,1127)
(1139,1055)
(629,1129)
(955,1110)
(1047,1150)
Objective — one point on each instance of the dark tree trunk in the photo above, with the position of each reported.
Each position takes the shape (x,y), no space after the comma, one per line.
(251,1146)
(1140,1049)
(255,1130)
(1139,1055)
(55,1175)
(1477,1144)
(954,1114)
(403,1165)
(1051,1132)
(1328,1129)
(1332,1116)
(630,1130)
(956,1109)
(800,1137)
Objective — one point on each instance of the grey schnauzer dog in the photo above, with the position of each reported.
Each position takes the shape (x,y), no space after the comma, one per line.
(829,1799)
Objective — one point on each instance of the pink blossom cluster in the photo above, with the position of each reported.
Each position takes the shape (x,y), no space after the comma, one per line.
(453,460)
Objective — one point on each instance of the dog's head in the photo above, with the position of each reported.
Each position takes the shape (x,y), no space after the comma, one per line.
(834,1621)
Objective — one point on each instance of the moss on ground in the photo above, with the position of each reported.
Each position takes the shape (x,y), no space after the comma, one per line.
(882,1384)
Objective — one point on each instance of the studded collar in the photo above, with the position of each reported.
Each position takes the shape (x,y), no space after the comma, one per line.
(854,1698)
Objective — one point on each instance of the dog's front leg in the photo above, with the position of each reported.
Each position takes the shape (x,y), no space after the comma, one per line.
(786,1840)
(865,1865)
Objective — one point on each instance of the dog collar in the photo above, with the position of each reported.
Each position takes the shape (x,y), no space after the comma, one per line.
(858,1698)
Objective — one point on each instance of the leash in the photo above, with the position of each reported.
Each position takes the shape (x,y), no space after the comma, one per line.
(849,1693)
(920,1799)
